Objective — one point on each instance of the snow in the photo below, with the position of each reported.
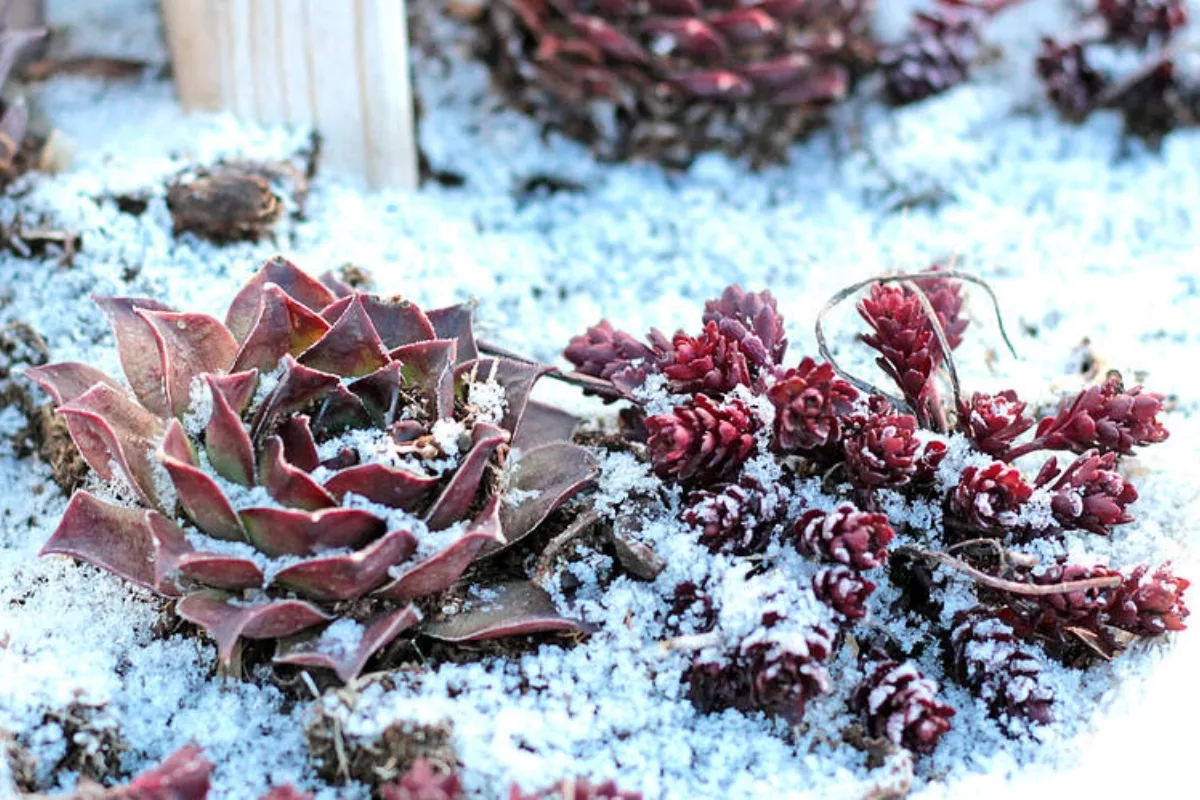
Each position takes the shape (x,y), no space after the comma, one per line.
(1080,233)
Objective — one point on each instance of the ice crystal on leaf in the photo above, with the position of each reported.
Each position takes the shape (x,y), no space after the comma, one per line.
(343,463)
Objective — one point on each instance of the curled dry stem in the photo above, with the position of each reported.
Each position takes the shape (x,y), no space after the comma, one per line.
(578,527)
(908,281)
(1013,587)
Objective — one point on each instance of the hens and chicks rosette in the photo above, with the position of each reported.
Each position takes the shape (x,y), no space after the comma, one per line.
(312,468)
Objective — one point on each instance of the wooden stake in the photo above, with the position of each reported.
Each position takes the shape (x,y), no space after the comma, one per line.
(340,66)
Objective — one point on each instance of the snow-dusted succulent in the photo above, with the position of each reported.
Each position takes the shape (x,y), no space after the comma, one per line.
(312,466)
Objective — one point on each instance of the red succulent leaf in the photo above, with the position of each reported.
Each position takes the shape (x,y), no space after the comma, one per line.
(284,531)
(456,499)
(348,577)
(286,792)
(189,345)
(299,446)
(352,347)
(991,498)
(297,387)
(237,388)
(379,393)
(298,285)
(398,322)
(109,427)
(456,322)
(142,365)
(844,590)
(396,488)
(437,572)
(883,452)
(184,775)
(176,444)
(1090,494)
(175,557)
(615,44)
(422,783)
(110,537)
(226,441)
(67,381)
(430,367)
(604,352)
(711,362)
(546,477)
(845,536)
(902,706)
(825,84)
(347,658)
(202,499)
(543,424)
(1149,603)
(283,327)
(288,485)
(513,609)
(227,618)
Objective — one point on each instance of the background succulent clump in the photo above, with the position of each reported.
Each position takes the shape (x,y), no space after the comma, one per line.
(667,79)
(313,468)
(770,461)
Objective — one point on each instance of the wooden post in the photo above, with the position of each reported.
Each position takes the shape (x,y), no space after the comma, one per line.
(338,65)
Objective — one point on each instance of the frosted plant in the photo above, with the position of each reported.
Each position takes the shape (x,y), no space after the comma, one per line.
(313,467)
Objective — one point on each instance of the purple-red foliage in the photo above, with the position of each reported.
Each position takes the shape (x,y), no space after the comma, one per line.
(844,590)
(902,706)
(422,782)
(993,421)
(701,439)
(1089,494)
(845,536)
(883,452)
(737,518)
(1107,418)
(991,499)
(809,401)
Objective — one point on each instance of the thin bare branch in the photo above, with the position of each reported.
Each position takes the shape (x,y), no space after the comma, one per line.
(1014,587)
(578,527)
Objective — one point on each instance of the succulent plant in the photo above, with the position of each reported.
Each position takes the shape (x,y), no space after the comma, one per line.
(776,456)
(312,467)
(667,79)
(14,118)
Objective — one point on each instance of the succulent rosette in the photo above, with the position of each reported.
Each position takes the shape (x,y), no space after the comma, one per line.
(312,467)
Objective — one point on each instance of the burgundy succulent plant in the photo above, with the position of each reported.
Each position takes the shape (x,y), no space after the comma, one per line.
(902,706)
(993,421)
(884,452)
(844,590)
(986,658)
(1107,417)
(1136,22)
(810,401)
(667,79)
(422,782)
(1089,494)
(845,536)
(991,499)
(702,439)
(738,518)
(312,466)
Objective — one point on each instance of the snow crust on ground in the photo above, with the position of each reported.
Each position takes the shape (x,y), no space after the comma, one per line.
(1082,234)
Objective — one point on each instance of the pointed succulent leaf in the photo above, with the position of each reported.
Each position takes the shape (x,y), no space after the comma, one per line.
(110,537)
(298,285)
(298,386)
(348,577)
(175,557)
(65,382)
(352,347)
(227,618)
(398,322)
(430,367)
(454,501)
(347,658)
(516,378)
(142,364)
(548,477)
(285,531)
(226,441)
(177,445)
(455,322)
(284,327)
(339,287)
(341,410)
(237,388)
(543,424)
(299,446)
(514,609)
(189,345)
(184,775)
(170,544)
(379,393)
(109,427)
(202,500)
(396,488)
(441,570)
(287,485)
